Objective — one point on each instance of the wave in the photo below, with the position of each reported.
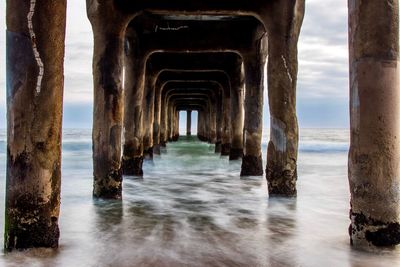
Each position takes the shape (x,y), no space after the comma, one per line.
(323,147)
(319,147)
(311,141)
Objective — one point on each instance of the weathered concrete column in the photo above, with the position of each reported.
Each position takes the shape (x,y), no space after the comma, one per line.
(204,123)
(175,130)
(189,123)
(219,122)
(283,33)
(132,159)
(237,98)
(108,56)
(374,156)
(226,127)
(206,126)
(157,124)
(212,123)
(163,123)
(148,116)
(35,82)
(200,126)
(254,63)
(170,125)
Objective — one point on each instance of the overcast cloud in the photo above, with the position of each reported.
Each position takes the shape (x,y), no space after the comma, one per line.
(323,66)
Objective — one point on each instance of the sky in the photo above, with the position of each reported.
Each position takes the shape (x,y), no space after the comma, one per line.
(322,89)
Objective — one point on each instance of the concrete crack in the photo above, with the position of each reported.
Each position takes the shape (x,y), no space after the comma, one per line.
(36,53)
(287,69)
(168,28)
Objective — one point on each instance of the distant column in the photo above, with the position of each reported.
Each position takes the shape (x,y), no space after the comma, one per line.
(189,123)
(226,127)
(35,83)
(200,125)
(157,121)
(374,169)
(237,113)
(163,122)
(170,126)
(207,124)
(175,135)
(219,121)
(148,114)
(212,126)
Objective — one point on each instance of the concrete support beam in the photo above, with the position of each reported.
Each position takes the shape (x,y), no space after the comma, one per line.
(190,87)
(374,156)
(148,113)
(237,114)
(176,125)
(226,126)
(132,159)
(157,123)
(201,126)
(233,35)
(35,82)
(219,124)
(189,80)
(207,125)
(284,23)
(189,123)
(170,125)
(254,63)
(213,123)
(210,66)
(163,124)
(219,105)
(108,105)
(196,7)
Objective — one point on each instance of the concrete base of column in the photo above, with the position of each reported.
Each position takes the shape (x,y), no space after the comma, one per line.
(235,153)
(157,150)
(281,182)
(148,154)
(41,233)
(202,138)
(251,166)
(218,147)
(133,166)
(109,187)
(367,231)
(225,149)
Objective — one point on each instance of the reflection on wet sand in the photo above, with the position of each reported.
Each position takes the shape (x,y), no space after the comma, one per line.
(108,213)
(281,223)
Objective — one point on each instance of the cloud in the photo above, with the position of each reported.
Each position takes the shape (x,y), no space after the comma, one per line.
(323,60)
(78,56)
(78,115)
(323,51)
(78,87)
(2,52)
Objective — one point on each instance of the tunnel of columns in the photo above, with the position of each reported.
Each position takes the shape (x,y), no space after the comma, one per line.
(154,59)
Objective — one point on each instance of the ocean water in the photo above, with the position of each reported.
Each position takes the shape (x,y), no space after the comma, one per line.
(192,209)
